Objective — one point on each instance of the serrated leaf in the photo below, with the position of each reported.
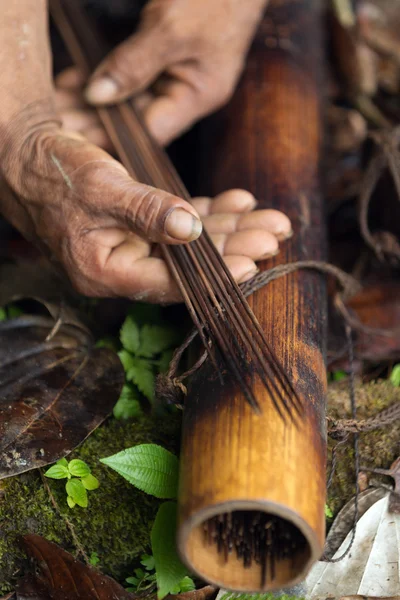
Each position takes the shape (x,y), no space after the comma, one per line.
(62,461)
(148,562)
(90,482)
(149,467)
(187,584)
(78,468)
(57,471)
(154,339)
(127,359)
(70,502)
(141,373)
(169,569)
(129,335)
(77,491)
(128,405)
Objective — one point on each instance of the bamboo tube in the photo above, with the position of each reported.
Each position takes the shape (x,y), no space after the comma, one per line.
(267,140)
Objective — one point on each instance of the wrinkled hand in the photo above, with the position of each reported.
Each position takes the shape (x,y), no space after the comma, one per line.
(82,207)
(88,214)
(182,63)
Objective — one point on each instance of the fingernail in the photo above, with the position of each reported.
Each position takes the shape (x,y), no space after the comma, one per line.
(103,89)
(281,236)
(182,225)
(269,255)
(248,275)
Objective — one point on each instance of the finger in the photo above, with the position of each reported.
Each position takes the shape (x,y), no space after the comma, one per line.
(257,244)
(149,280)
(70,79)
(99,137)
(268,219)
(173,112)
(231,201)
(106,191)
(182,101)
(130,68)
(79,120)
(67,100)
(241,267)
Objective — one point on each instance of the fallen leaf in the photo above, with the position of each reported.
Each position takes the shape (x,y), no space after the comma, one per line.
(377,306)
(371,568)
(53,393)
(344,520)
(207,592)
(37,280)
(60,576)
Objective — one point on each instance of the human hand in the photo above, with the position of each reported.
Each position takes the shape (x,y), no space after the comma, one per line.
(183,62)
(85,211)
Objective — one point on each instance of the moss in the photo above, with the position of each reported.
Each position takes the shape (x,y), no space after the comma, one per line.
(117,523)
(378,448)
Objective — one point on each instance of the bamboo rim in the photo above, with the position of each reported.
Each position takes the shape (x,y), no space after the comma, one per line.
(205,561)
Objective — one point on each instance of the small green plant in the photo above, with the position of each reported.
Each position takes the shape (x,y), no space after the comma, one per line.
(395,375)
(328,512)
(80,480)
(154,470)
(338,375)
(146,350)
(94,559)
(10,312)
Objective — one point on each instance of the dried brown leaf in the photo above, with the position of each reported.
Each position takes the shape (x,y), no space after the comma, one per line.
(53,393)
(60,576)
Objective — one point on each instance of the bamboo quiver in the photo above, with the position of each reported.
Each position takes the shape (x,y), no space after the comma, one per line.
(268,141)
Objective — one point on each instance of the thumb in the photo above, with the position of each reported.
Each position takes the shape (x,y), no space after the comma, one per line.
(131,67)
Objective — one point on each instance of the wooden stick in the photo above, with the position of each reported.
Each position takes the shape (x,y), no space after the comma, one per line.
(267,141)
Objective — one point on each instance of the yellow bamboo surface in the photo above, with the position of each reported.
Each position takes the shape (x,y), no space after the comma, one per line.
(268,141)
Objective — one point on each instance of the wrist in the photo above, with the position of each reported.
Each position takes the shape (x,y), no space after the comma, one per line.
(25,57)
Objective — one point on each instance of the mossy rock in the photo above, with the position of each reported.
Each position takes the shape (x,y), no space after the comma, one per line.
(378,448)
(116,525)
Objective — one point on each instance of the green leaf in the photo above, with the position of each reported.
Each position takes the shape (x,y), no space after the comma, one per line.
(76,490)
(3,315)
(149,467)
(395,375)
(62,461)
(94,559)
(128,405)
(70,502)
(57,471)
(339,375)
(169,569)
(328,512)
(90,482)
(129,335)
(127,359)
(133,580)
(186,585)
(148,562)
(78,468)
(141,373)
(14,311)
(156,339)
